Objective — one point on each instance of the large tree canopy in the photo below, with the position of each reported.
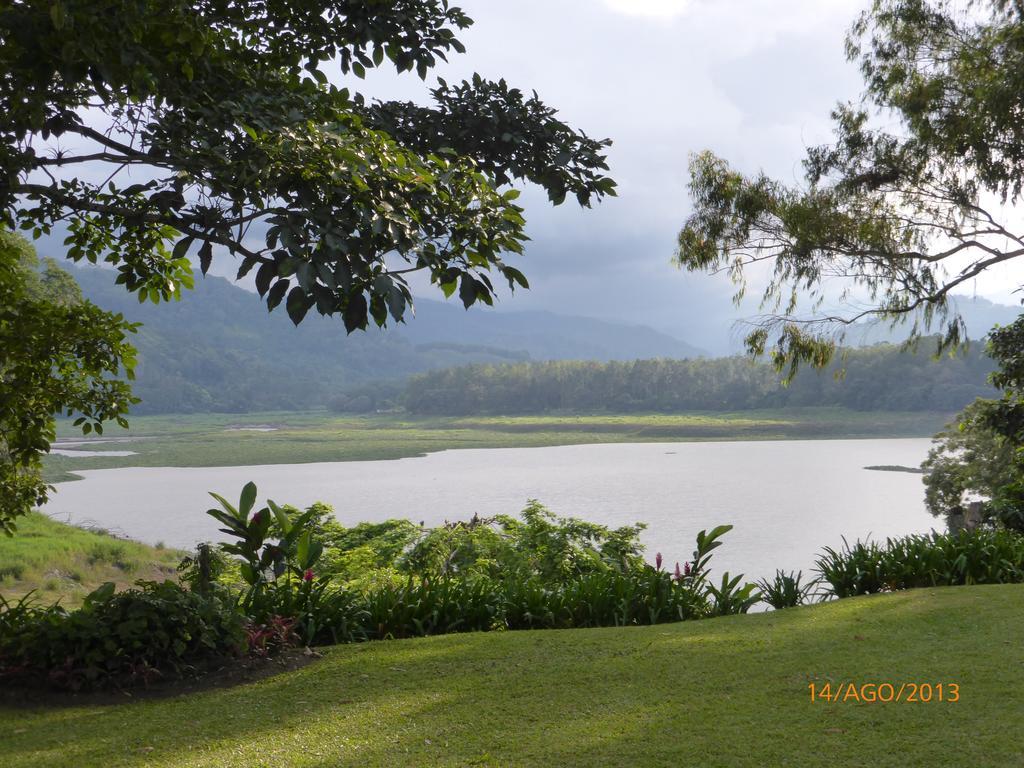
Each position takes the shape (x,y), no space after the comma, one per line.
(888,222)
(152,131)
(222,110)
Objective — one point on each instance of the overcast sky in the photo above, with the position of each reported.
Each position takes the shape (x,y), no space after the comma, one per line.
(752,80)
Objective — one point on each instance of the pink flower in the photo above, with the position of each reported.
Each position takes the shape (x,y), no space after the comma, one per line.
(686,569)
(308,575)
(678,573)
(657,561)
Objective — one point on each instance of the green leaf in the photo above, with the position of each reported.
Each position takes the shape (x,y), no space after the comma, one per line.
(101,594)
(247,499)
(181,247)
(205,256)
(228,506)
(248,573)
(467,291)
(283,521)
(277,293)
(58,16)
(354,315)
(298,304)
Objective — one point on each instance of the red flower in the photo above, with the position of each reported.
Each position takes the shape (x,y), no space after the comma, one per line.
(686,569)
(308,575)
(256,518)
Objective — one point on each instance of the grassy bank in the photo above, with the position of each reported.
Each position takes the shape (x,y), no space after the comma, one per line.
(723,692)
(63,562)
(222,440)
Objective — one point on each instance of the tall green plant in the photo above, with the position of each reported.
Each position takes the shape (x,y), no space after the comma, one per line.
(264,562)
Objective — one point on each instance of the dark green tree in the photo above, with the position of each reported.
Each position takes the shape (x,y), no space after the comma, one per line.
(981,453)
(58,354)
(968,460)
(234,139)
(893,220)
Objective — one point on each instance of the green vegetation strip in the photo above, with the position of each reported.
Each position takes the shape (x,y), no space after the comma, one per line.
(298,438)
(722,692)
(64,562)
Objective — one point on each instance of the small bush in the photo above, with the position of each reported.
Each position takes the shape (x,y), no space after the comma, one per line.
(787,590)
(111,552)
(13,572)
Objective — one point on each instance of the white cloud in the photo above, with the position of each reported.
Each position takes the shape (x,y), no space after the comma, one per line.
(652,8)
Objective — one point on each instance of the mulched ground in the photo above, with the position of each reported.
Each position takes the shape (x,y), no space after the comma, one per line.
(225,675)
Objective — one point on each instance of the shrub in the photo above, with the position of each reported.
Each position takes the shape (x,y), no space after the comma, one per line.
(537,543)
(262,561)
(130,637)
(732,597)
(536,572)
(473,601)
(980,556)
(787,590)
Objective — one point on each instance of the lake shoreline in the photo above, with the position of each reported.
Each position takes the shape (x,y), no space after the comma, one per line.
(791,498)
(207,440)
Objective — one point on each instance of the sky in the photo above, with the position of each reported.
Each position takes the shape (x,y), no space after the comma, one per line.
(752,80)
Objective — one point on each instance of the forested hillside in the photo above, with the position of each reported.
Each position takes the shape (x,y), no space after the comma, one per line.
(218,350)
(876,378)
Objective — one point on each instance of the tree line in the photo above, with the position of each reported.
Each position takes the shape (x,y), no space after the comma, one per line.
(882,377)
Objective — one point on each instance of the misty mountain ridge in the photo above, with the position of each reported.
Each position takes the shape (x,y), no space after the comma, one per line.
(218,349)
(979,315)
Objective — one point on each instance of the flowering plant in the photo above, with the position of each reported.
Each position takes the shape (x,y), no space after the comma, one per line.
(265,561)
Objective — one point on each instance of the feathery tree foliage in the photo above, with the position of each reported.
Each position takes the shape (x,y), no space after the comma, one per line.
(887,223)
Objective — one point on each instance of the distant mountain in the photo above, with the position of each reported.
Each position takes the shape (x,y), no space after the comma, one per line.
(543,335)
(218,349)
(979,315)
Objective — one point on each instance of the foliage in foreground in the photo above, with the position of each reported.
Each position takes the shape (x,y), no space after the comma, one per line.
(533,573)
(58,354)
(980,556)
(260,592)
(128,638)
(883,211)
(982,453)
(289,577)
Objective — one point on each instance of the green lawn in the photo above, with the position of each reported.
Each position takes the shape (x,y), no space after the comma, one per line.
(208,440)
(723,692)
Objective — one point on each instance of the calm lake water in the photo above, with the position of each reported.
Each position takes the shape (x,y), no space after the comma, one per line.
(786,499)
